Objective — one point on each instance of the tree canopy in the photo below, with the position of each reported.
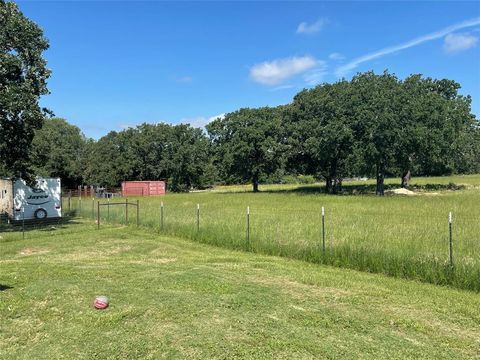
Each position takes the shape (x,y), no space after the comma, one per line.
(176,153)
(375,125)
(58,150)
(23,76)
(248,144)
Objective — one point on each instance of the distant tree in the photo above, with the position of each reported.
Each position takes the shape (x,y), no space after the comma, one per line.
(23,76)
(177,153)
(468,156)
(105,162)
(58,150)
(321,130)
(248,144)
(376,106)
(185,158)
(435,123)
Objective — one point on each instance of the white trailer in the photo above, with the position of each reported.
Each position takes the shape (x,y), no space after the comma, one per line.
(19,201)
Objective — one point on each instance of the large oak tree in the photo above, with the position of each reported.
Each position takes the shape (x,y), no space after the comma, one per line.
(248,144)
(23,79)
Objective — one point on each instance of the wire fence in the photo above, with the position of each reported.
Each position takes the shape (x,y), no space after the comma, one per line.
(428,247)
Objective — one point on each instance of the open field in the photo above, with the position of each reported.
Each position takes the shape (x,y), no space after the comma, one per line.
(172,298)
(395,235)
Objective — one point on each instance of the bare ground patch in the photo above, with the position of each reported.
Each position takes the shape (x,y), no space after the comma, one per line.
(152,261)
(298,289)
(32,251)
(99,253)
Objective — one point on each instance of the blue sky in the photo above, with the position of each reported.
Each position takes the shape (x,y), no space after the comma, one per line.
(118,64)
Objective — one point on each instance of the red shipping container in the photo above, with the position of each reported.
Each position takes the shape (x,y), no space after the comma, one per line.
(143,188)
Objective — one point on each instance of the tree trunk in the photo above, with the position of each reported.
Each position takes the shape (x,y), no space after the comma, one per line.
(380,180)
(406,176)
(335,186)
(334,177)
(339,185)
(255,182)
(328,184)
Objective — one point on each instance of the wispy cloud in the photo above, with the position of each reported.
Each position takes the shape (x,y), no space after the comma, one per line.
(458,42)
(184,79)
(201,121)
(282,87)
(276,71)
(336,56)
(345,69)
(316,75)
(126,126)
(306,28)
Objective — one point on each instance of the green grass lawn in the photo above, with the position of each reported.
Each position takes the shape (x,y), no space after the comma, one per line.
(396,235)
(173,298)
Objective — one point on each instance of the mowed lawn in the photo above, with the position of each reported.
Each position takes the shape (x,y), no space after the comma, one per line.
(173,298)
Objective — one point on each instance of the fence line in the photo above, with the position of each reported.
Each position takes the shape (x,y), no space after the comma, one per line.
(348,243)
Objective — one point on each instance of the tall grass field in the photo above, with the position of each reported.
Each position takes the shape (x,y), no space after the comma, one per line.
(402,236)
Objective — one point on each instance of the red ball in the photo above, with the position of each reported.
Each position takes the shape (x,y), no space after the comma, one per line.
(101,302)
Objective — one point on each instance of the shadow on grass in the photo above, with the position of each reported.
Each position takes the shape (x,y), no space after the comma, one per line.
(5,287)
(356,189)
(46,225)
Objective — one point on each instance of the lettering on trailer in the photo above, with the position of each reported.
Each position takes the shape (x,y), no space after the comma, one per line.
(37,197)
(41,195)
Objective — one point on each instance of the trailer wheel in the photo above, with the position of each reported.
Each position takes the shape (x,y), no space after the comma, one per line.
(40,214)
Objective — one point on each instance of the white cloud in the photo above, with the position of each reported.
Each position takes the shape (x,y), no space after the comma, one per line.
(336,56)
(219,116)
(305,28)
(345,69)
(316,76)
(201,121)
(458,42)
(277,71)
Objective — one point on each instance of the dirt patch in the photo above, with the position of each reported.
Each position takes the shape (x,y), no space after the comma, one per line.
(153,261)
(431,194)
(406,192)
(32,251)
(295,289)
(98,254)
(401,191)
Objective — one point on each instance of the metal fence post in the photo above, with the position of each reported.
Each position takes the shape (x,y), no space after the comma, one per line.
(161,215)
(108,209)
(23,223)
(126,211)
(450,240)
(198,217)
(138,213)
(248,227)
(98,215)
(323,230)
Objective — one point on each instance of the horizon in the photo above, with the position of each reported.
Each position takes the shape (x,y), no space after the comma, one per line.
(119,64)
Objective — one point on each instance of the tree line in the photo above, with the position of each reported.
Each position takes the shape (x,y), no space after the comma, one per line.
(374,125)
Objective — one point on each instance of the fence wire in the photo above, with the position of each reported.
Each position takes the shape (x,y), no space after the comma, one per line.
(399,244)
